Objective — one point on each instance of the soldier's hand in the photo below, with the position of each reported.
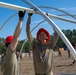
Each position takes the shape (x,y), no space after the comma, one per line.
(30,14)
(21,14)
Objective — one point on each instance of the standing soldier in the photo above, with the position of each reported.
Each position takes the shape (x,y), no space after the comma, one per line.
(10,61)
(42,49)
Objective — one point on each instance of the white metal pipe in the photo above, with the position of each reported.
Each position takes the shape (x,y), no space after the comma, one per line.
(16,7)
(58,10)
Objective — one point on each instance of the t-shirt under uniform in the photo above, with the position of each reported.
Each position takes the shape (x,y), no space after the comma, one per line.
(42,57)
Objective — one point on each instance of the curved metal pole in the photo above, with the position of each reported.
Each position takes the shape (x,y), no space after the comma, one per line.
(54,16)
(58,10)
(66,15)
(26,37)
(59,32)
(7,21)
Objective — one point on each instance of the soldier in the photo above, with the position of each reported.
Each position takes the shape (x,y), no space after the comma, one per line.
(42,49)
(10,62)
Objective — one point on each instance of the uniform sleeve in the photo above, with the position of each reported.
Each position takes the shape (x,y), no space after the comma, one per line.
(9,52)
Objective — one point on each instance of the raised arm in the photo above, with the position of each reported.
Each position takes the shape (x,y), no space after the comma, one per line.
(55,38)
(29,35)
(17,32)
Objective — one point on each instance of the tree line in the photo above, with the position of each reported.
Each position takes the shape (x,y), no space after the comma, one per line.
(70,34)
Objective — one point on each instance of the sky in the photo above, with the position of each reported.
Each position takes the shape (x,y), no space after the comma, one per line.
(66,5)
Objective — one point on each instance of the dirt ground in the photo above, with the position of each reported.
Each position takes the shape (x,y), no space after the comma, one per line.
(60,65)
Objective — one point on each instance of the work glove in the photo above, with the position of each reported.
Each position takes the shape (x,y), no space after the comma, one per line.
(21,14)
(30,14)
